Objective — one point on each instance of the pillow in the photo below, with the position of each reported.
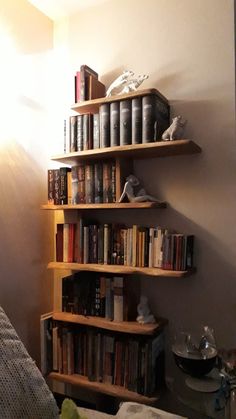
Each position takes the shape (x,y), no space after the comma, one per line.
(24,393)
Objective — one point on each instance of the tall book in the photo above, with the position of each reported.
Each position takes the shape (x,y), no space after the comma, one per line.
(77,86)
(104,116)
(96,131)
(107,182)
(57,186)
(81,183)
(80,131)
(87,131)
(85,72)
(155,117)
(74,185)
(89,183)
(136,120)
(115,123)
(125,122)
(98,183)
(73,133)
(64,185)
(51,186)
(118,298)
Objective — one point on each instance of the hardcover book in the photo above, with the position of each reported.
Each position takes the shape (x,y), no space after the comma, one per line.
(80,130)
(104,116)
(136,120)
(155,117)
(85,72)
(96,131)
(115,123)
(125,122)
(73,133)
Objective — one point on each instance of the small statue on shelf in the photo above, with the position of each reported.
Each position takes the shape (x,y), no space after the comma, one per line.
(132,84)
(118,82)
(140,196)
(175,130)
(144,312)
(128,84)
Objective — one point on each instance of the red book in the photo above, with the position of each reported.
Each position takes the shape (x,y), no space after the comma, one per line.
(77,86)
(59,243)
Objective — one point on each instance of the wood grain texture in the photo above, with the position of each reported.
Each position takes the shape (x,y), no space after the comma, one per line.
(114,206)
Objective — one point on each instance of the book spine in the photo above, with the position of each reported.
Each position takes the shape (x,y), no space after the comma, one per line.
(73,133)
(57,186)
(118,299)
(81,183)
(66,242)
(155,118)
(113,181)
(59,243)
(74,185)
(63,185)
(69,187)
(115,124)
(107,182)
(87,131)
(104,116)
(77,86)
(125,122)
(89,183)
(51,181)
(84,72)
(96,131)
(80,143)
(98,184)
(136,120)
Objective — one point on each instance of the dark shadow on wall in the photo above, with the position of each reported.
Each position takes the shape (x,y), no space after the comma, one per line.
(25,286)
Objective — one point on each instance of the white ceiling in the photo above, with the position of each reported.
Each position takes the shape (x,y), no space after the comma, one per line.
(57,9)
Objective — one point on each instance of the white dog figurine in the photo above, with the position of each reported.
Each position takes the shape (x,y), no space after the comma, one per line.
(119,81)
(175,130)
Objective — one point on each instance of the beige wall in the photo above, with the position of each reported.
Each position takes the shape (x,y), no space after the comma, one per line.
(26,42)
(187,48)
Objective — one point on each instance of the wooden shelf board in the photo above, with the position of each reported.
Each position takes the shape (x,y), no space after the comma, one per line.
(117,205)
(110,389)
(119,269)
(138,151)
(102,323)
(92,106)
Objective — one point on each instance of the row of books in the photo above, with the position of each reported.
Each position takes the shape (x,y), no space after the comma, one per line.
(129,121)
(85,183)
(133,363)
(87,85)
(120,245)
(93,294)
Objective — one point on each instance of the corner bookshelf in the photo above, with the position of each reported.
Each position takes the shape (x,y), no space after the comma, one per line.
(123,155)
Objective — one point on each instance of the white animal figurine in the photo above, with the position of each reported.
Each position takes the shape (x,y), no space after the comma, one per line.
(175,130)
(132,84)
(119,81)
(144,312)
(129,191)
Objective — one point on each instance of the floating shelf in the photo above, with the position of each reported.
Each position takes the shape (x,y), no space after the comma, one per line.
(119,269)
(114,206)
(102,323)
(137,151)
(110,389)
(92,106)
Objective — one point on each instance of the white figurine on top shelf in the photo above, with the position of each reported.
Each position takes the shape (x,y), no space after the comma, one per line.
(144,312)
(125,84)
(132,84)
(118,82)
(140,196)
(175,130)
